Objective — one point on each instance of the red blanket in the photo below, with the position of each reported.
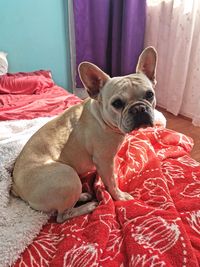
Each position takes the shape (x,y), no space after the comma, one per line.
(160,227)
(45,104)
(28,95)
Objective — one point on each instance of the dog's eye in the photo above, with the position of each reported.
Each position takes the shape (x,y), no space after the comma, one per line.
(149,95)
(118,104)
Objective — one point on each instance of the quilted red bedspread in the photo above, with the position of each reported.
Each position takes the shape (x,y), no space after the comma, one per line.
(160,227)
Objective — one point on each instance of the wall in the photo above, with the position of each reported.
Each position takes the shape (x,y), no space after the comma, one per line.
(35,35)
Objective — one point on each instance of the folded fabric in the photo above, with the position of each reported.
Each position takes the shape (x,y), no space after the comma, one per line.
(22,106)
(26,82)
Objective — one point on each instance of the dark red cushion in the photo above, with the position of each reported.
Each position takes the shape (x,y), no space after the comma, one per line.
(26,82)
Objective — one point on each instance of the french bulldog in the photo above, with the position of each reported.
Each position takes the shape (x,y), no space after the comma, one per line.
(85,138)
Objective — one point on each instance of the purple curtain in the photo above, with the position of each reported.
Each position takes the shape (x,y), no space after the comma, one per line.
(109,33)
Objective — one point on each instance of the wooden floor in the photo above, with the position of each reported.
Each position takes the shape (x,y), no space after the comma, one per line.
(184,125)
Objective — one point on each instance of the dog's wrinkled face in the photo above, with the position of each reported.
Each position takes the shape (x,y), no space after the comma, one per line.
(127,102)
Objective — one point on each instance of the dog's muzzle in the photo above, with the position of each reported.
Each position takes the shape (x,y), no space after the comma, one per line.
(137,116)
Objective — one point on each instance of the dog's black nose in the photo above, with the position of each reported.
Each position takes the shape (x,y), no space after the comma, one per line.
(138,109)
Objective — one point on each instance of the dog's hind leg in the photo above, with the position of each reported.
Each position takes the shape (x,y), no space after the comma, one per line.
(85,197)
(53,187)
(77,211)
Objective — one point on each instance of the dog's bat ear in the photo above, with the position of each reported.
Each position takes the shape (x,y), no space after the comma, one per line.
(92,77)
(147,63)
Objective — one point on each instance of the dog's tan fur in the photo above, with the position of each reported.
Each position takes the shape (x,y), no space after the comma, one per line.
(84,138)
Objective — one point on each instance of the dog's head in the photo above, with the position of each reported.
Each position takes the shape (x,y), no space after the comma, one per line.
(126,102)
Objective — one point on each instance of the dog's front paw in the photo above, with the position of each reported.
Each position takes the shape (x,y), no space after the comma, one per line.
(120,195)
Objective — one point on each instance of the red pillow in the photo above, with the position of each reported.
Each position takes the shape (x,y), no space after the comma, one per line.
(26,82)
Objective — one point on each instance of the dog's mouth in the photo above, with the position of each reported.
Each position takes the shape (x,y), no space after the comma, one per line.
(142,126)
(137,126)
(137,117)
(143,120)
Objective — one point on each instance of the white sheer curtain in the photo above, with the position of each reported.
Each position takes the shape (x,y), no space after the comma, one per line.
(173,27)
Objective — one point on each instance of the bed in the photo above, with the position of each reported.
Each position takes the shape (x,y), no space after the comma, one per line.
(159,227)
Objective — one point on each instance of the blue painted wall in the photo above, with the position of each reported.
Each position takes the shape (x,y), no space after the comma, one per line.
(35,35)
